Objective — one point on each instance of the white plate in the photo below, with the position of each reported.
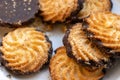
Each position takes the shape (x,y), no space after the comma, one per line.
(56,37)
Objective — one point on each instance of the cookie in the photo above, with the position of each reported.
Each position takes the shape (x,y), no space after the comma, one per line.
(58,11)
(103,29)
(25,50)
(64,68)
(81,49)
(90,6)
(17,12)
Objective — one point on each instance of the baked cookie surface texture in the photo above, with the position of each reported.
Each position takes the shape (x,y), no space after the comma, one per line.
(90,6)
(64,68)
(25,50)
(104,30)
(81,49)
(59,10)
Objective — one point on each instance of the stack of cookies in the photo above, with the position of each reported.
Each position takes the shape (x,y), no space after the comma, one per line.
(90,44)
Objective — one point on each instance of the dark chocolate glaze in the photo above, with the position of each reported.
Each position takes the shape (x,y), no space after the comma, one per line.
(73,17)
(50,50)
(111,6)
(17,12)
(69,53)
(18,72)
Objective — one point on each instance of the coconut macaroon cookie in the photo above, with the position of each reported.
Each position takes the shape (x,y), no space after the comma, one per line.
(64,68)
(25,50)
(81,49)
(58,10)
(104,30)
(16,12)
(90,6)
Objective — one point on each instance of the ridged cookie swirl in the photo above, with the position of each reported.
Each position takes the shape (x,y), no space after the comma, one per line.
(91,6)
(25,50)
(79,47)
(105,29)
(64,68)
(57,10)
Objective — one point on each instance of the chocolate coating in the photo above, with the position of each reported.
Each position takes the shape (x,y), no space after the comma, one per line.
(73,17)
(17,12)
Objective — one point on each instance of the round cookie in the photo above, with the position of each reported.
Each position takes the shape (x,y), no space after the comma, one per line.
(103,29)
(17,12)
(64,68)
(83,50)
(90,6)
(25,50)
(59,10)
